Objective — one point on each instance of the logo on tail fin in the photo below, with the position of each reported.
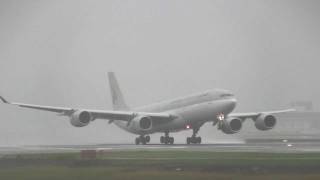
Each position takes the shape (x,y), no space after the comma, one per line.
(116,94)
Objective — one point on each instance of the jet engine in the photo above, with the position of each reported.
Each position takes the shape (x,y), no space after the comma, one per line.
(81,118)
(231,125)
(265,122)
(142,123)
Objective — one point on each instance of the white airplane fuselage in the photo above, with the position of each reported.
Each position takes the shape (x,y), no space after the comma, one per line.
(190,111)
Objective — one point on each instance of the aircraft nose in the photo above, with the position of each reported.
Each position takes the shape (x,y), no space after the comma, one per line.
(232,103)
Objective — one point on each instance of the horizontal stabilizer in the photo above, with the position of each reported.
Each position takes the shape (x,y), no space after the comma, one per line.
(4,100)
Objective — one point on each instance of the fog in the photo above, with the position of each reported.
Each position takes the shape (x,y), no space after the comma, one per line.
(58,53)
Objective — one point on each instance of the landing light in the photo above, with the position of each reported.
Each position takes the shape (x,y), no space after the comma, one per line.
(220,117)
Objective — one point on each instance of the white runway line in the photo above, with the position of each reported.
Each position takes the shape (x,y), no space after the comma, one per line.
(256,147)
(103,149)
(181,147)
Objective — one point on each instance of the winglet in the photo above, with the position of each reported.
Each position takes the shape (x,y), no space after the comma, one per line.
(4,100)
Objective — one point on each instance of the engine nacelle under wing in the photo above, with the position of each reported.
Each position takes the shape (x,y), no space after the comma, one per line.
(142,123)
(231,125)
(81,118)
(265,122)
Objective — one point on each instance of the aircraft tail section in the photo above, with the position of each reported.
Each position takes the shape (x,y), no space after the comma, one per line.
(116,94)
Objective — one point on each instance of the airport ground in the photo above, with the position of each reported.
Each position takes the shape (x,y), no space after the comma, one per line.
(164,162)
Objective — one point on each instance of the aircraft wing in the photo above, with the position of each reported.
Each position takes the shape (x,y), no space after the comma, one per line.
(97,114)
(254,115)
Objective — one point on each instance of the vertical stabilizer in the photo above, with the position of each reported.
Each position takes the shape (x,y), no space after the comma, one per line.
(117,97)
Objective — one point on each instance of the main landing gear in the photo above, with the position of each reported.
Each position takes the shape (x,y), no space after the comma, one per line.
(194,139)
(166,139)
(142,139)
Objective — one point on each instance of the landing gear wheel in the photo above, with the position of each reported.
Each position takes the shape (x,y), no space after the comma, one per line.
(194,139)
(198,140)
(137,141)
(188,140)
(147,138)
(142,140)
(171,140)
(166,139)
(162,139)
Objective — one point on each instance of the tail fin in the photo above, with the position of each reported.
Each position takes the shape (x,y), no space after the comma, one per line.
(117,97)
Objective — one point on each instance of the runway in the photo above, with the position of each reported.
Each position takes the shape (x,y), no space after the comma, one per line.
(268,147)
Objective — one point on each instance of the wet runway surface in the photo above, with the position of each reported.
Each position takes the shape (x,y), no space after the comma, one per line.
(270,147)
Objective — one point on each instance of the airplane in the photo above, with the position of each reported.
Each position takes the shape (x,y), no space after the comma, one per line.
(184,113)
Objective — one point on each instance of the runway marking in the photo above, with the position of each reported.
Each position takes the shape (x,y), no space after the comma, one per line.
(257,147)
(101,149)
(164,147)
(181,147)
(214,158)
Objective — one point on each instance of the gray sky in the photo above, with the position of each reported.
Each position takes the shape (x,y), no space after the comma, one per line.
(58,53)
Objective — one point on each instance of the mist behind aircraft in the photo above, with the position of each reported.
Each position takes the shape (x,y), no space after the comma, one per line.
(58,53)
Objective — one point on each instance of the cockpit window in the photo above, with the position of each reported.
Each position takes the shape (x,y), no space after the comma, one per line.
(205,94)
(226,95)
